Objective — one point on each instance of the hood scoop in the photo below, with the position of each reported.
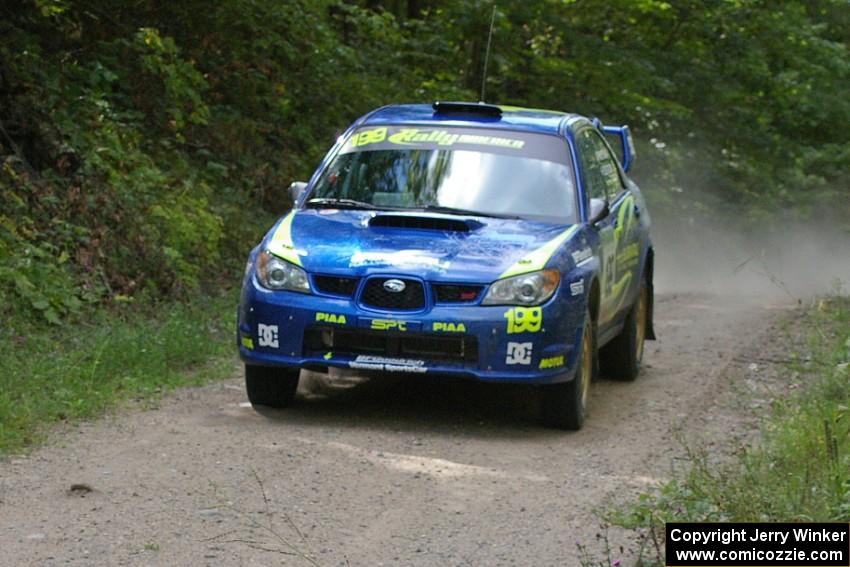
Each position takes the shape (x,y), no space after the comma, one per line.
(423,222)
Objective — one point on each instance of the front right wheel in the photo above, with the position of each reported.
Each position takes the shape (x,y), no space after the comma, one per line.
(270,385)
(564,405)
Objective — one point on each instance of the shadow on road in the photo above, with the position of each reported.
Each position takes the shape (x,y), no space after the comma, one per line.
(411,403)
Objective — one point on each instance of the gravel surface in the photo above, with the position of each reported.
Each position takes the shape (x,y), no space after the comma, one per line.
(390,471)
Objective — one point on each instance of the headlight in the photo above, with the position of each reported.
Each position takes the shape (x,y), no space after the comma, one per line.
(527,289)
(274,273)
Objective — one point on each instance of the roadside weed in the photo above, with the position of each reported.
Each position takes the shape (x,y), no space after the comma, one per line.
(798,471)
(79,371)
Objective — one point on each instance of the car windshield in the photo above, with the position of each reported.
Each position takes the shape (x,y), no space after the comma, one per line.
(477,171)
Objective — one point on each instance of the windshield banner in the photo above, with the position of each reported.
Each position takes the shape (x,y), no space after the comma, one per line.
(508,142)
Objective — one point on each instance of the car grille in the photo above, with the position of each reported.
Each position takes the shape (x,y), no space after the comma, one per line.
(334,285)
(411,298)
(452,293)
(456,350)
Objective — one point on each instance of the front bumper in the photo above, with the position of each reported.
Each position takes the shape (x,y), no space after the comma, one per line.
(493,343)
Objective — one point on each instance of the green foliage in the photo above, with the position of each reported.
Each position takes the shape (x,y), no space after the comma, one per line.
(179,84)
(72,373)
(800,471)
(34,273)
(140,147)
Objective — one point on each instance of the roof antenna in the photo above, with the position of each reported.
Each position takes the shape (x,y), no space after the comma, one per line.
(487,53)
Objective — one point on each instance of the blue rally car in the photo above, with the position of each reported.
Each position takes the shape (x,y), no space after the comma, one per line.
(488,242)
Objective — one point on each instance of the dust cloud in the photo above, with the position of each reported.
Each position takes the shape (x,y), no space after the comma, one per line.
(786,260)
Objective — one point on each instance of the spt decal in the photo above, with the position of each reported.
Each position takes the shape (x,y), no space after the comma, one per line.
(524,319)
(388,325)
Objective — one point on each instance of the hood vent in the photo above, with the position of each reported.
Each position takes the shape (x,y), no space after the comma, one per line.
(420,222)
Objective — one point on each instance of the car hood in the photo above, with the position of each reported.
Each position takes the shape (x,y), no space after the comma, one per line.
(435,247)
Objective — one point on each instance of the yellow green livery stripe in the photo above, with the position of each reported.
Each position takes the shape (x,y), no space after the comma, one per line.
(281,243)
(625,218)
(537,260)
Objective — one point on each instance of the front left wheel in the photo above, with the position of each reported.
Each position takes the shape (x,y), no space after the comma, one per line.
(271,386)
(621,357)
(565,405)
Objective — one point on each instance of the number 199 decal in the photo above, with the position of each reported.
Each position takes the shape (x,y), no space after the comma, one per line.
(366,137)
(524,319)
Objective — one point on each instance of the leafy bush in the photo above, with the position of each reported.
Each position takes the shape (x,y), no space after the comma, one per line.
(145,149)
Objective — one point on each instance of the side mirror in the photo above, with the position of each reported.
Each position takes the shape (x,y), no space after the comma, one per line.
(598,210)
(295,190)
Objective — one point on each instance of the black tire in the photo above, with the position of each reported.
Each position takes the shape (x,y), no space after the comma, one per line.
(270,386)
(564,405)
(621,357)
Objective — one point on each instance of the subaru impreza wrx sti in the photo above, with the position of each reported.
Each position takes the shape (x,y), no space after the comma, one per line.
(488,242)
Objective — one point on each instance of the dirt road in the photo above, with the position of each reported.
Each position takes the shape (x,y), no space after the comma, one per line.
(382,472)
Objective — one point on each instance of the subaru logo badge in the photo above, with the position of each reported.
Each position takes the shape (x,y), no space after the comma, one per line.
(394,286)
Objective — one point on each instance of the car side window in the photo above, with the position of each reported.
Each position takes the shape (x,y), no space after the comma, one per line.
(603,177)
(591,169)
(608,165)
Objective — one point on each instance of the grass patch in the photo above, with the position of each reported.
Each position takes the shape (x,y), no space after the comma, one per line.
(80,370)
(800,469)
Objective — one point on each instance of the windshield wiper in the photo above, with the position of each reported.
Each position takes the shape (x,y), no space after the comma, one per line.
(468,212)
(334,203)
(342,203)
